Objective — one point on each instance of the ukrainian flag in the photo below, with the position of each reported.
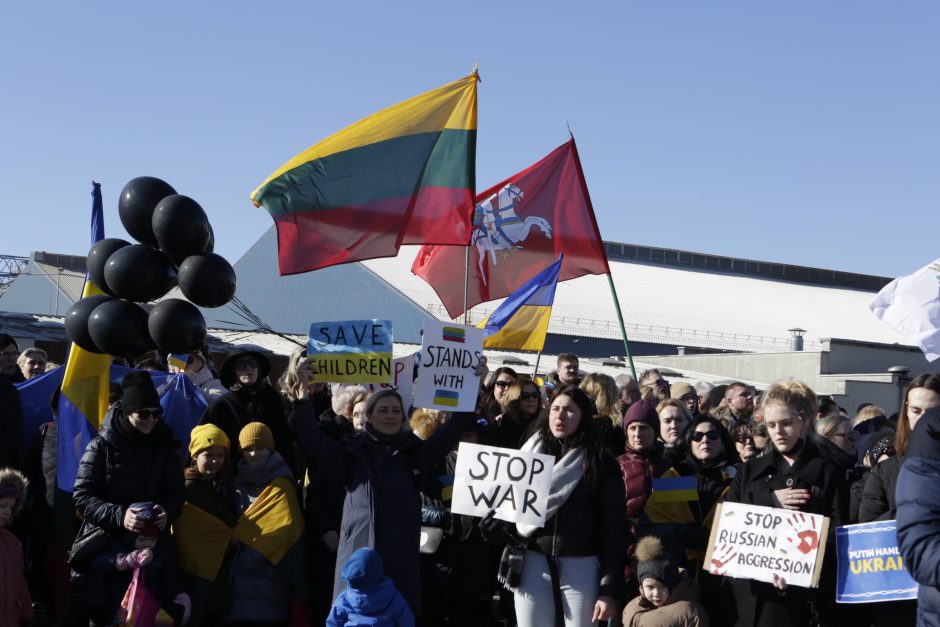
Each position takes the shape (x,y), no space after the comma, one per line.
(83,401)
(521,322)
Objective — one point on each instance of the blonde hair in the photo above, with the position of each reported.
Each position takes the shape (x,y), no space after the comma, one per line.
(424,422)
(290,384)
(827,425)
(603,389)
(867,413)
(795,395)
(674,402)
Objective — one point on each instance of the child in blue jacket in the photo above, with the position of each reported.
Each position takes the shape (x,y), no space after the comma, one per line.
(370,598)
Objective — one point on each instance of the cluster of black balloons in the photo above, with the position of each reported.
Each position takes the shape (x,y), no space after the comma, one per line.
(176,243)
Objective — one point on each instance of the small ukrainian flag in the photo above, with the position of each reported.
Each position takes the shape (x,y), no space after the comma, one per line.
(521,322)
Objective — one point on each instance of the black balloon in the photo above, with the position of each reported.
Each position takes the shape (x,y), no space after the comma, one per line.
(76,321)
(98,258)
(138,200)
(176,326)
(207,280)
(181,227)
(119,327)
(139,273)
(210,247)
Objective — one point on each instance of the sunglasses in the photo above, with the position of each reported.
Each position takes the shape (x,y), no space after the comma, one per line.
(503,384)
(712,435)
(529,395)
(147,414)
(744,439)
(246,364)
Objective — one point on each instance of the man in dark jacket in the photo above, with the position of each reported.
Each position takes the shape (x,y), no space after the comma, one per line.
(918,522)
(250,399)
(11,425)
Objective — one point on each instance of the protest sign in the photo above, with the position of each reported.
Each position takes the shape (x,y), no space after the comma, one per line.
(754,542)
(514,483)
(402,379)
(447,378)
(870,566)
(351,351)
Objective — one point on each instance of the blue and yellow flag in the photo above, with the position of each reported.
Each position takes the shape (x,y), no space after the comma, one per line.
(85,383)
(521,322)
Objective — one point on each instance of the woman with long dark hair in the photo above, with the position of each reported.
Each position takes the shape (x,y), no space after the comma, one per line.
(523,404)
(568,572)
(493,397)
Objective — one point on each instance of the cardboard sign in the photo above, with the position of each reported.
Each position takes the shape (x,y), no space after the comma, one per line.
(754,542)
(447,378)
(870,567)
(351,351)
(402,379)
(514,483)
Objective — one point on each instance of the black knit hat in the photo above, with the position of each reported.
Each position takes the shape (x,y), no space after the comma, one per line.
(653,561)
(139,391)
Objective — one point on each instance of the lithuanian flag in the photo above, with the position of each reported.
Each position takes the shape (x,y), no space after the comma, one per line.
(404,175)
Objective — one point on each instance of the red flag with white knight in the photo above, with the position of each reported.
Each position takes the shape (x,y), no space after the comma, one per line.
(520,225)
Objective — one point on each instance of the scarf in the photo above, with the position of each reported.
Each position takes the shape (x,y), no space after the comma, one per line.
(261,474)
(566,475)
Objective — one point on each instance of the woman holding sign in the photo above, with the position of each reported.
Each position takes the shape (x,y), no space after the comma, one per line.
(381,470)
(791,475)
(570,571)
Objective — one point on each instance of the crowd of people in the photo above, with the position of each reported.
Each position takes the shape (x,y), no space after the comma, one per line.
(310,503)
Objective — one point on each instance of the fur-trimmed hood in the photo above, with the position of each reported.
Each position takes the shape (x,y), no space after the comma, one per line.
(13,483)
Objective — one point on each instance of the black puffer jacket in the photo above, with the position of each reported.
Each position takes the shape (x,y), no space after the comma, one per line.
(11,424)
(122,467)
(592,523)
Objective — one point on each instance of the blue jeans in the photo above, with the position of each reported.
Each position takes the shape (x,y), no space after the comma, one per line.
(578,579)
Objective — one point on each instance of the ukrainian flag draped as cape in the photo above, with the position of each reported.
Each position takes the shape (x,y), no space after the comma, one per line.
(521,322)
(273,525)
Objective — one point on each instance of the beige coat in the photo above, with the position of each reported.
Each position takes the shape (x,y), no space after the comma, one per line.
(679,610)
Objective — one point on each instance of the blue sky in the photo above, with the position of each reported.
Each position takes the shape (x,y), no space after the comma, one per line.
(799,132)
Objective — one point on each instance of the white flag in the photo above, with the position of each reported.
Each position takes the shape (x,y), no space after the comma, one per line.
(911,306)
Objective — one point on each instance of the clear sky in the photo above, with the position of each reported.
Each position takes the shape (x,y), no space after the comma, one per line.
(801,132)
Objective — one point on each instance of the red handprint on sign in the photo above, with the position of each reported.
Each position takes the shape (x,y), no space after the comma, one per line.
(721,556)
(805,539)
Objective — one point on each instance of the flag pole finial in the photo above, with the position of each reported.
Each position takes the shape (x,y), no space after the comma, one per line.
(570,134)
(476,72)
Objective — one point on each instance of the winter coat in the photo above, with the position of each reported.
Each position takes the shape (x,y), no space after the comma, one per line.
(257,403)
(15,604)
(210,387)
(728,418)
(259,591)
(878,494)
(679,610)
(639,469)
(382,476)
(591,522)
(760,604)
(97,590)
(120,467)
(918,516)
(11,424)
(613,437)
(370,598)
(215,496)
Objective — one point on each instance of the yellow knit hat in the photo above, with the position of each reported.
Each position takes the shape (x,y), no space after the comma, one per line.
(256,433)
(204,436)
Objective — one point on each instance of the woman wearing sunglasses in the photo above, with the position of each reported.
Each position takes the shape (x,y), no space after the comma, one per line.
(129,471)
(523,400)
(790,475)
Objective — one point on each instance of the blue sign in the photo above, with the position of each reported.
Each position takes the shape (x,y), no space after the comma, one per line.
(870,567)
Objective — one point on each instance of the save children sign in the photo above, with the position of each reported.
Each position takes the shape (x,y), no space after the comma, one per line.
(351,351)
(754,542)
(447,377)
(514,483)
(870,566)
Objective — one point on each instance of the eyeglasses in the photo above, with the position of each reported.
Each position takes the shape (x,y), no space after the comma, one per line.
(246,364)
(851,436)
(661,383)
(529,395)
(12,354)
(744,439)
(712,435)
(148,414)
(503,384)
